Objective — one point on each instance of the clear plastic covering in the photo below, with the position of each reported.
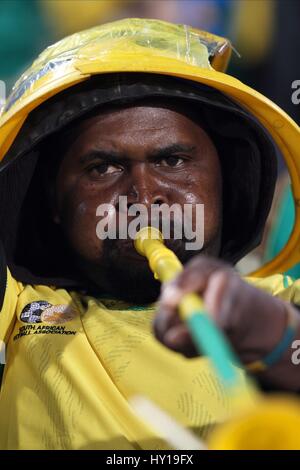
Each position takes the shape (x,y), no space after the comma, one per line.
(129,39)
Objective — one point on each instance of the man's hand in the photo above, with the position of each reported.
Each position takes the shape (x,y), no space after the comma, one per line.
(253,321)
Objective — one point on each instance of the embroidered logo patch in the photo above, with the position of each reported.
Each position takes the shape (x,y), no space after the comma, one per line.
(32,312)
(42,318)
(43,312)
(58,314)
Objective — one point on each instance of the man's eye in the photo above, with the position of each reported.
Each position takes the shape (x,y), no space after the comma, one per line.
(104,169)
(171,161)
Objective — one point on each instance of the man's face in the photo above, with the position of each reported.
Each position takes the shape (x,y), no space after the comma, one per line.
(152,154)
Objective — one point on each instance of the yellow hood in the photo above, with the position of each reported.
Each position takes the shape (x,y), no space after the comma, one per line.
(151,46)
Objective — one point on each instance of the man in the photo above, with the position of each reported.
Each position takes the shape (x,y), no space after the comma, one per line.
(77,309)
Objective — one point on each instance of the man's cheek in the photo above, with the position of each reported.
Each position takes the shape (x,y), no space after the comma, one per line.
(85,220)
(80,227)
(81,208)
(205,210)
(212,218)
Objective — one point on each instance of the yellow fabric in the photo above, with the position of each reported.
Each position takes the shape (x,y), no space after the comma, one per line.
(67,379)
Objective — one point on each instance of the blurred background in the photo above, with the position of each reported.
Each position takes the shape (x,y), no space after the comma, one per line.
(264,33)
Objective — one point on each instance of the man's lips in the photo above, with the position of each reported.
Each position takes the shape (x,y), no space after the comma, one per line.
(126,248)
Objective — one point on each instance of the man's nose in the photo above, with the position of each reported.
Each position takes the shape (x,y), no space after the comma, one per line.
(145,187)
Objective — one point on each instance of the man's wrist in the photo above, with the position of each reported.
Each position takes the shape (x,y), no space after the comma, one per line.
(275,355)
(284,374)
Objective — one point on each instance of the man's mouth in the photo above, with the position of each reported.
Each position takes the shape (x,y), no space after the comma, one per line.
(126,249)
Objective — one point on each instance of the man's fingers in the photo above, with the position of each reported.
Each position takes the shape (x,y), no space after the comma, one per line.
(179,339)
(193,278)
(215,282)
(220,296)
(165,319)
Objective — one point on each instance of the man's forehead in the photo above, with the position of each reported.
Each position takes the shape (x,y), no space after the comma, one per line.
(137,128)
(153,113)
